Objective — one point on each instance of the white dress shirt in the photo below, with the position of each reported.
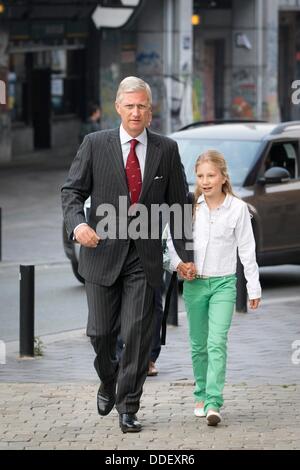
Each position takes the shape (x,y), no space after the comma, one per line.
(140,150)
(217,234)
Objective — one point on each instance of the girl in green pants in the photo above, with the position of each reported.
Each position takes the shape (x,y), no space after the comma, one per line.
(222,225)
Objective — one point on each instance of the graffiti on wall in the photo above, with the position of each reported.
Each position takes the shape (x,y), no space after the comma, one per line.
(3,68)
(149,60)
(172,93)
(150,67)
(169,92)
(271,105)
(3,49)
(110,78)
(197,98)
(244,94)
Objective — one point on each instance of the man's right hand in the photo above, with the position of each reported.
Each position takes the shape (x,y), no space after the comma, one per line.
(86,236)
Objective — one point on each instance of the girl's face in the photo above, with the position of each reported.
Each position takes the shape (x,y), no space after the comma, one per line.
(210,179)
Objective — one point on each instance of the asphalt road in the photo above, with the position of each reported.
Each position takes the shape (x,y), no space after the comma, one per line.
(31,222)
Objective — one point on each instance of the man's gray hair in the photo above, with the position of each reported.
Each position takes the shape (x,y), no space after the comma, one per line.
(131,84)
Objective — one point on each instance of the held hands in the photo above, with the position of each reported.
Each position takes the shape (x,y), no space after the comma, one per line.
(86,236)
(187,271)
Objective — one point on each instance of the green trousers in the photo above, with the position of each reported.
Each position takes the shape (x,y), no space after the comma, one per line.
(209,304)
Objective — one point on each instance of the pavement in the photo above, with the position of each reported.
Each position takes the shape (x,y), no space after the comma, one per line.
(49,402)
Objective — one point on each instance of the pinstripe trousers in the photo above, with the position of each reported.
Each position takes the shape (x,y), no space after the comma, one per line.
(126,307)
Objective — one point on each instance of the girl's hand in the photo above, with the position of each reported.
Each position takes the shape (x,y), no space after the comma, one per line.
(254,303)
(186,270)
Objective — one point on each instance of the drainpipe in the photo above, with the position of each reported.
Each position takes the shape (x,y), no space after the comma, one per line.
(259,21)
(167,52)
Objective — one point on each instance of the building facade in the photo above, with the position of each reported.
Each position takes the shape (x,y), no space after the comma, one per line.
(246,58)
(235,60)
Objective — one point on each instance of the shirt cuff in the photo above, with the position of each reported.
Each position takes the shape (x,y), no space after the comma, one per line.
(254,293)
(175,260)
(77,226)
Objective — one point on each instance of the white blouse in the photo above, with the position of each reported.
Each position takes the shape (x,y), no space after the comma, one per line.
(217,234)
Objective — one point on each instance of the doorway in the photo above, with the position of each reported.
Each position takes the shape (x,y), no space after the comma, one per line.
(41,107)
(213,79)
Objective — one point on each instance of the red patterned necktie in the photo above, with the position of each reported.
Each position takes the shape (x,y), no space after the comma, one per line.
(133,173)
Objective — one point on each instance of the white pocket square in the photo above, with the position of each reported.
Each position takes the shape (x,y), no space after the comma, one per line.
(158,177)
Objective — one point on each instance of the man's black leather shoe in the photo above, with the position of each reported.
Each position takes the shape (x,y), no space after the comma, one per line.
(106,398)
(129,423)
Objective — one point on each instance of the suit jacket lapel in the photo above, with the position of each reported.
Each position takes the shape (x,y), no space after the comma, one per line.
(153,156)
(115,151)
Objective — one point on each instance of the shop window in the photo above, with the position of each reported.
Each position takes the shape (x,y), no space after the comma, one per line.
(66,69)
(66,82)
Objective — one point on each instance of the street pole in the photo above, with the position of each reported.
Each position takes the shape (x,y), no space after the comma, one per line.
(168,54)
(172,318)
(26,311)
(259,21)
(0,234)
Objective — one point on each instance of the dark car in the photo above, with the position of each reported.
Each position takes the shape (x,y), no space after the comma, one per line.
(263,161)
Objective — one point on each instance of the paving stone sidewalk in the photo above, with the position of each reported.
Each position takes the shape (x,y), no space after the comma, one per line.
(63,416)
(49,402)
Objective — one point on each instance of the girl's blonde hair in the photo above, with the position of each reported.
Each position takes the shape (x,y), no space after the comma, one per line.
(217,159)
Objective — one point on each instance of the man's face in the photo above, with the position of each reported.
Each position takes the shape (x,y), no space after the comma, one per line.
(135,111)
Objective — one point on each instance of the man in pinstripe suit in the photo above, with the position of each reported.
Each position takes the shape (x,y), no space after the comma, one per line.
(121,273)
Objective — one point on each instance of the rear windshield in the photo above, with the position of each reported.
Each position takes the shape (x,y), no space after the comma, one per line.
(239,155)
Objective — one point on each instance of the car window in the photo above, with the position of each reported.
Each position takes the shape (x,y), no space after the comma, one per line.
(283,155)
(239,155)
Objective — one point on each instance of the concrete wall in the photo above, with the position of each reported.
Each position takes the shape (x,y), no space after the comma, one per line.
(288,4)
(61,128)
(158,48)
(250,69)
(255,69)
(164,59)
(22,140)
(64,137)
(150,57)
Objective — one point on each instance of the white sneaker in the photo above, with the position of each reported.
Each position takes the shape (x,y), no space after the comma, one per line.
(199,412)
(213,418)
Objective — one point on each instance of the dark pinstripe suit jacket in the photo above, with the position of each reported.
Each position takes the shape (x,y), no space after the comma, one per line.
(98,171)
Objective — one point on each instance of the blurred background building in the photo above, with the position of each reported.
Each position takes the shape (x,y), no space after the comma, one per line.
(204,59)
